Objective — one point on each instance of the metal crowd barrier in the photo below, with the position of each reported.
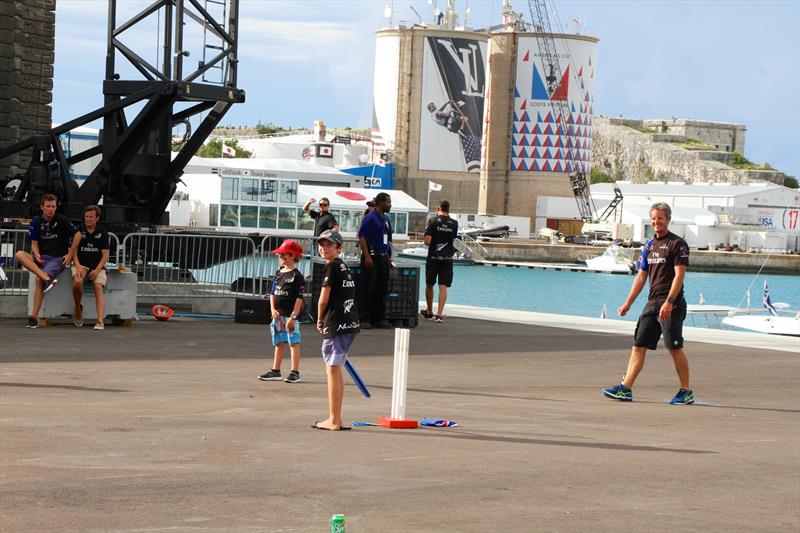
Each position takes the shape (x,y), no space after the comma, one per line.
(190,266)
(14,278)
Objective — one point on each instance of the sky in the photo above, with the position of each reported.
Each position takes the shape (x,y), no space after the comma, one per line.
(302,60)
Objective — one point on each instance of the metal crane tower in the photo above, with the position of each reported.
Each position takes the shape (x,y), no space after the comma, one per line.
(137,174)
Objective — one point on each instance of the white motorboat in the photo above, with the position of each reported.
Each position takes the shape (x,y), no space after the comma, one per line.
(772,323)
(614,259)
(419,251)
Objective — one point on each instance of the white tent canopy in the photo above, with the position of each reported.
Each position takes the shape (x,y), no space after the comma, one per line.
(353,198)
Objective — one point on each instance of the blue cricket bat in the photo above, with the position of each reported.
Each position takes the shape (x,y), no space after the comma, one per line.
(356,378)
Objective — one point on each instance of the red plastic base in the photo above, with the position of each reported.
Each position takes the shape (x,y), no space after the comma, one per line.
(394,423)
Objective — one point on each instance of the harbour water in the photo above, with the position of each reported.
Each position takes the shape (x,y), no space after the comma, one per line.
(584,293)
(562,292)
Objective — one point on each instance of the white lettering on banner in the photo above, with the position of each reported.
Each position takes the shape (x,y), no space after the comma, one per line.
(469,70)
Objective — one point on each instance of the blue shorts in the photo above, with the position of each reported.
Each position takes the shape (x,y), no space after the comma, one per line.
(52,265)
(280,335)
(335,349)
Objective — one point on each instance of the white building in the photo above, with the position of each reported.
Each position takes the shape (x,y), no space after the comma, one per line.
(758,215)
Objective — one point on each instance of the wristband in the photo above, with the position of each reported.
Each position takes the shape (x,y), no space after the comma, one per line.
(670,299)
(293,317)
(320,324)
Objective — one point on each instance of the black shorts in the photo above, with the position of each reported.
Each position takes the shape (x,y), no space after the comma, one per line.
(649,328)
(443,270)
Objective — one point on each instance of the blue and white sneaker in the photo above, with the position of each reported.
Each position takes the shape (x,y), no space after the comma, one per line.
(684,397)
(619,392)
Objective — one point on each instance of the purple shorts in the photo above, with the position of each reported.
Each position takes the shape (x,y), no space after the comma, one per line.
(334,350)
(52,265)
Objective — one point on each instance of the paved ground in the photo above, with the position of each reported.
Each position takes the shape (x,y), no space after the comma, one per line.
(163,426)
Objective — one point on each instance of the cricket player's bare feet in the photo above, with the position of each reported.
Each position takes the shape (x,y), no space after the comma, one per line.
(328,425)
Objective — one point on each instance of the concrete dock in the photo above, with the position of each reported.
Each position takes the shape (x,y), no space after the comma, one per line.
(164,426)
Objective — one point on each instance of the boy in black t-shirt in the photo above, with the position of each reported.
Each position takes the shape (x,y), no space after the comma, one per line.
(286,302)
(337,321)
(89,264)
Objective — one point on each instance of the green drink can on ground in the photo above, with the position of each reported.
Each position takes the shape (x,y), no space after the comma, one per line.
(337,523)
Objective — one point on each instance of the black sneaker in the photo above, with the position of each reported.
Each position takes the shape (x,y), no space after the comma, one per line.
(426,315)
(272,375)
(438,319)
(49,284)
(294,377)
(32,323)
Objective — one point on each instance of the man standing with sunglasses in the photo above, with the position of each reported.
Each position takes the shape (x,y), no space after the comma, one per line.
(323,219)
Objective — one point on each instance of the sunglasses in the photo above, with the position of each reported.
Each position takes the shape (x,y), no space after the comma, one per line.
(323,205)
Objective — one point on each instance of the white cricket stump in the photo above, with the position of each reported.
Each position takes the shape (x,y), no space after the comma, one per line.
(397,419)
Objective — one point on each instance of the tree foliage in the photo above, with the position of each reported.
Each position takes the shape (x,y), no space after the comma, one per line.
(213,148)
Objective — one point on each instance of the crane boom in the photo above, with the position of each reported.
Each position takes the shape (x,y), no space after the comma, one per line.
(560,108)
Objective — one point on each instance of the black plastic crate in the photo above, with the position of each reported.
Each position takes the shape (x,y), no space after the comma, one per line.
(401,300)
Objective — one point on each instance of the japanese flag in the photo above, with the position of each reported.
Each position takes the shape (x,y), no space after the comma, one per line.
(434,186)
(381,163)
(228,150)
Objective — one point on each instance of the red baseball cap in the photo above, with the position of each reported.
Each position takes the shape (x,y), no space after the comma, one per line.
(289,247)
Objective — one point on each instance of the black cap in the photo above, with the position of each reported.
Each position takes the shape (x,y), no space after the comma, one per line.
(330,235)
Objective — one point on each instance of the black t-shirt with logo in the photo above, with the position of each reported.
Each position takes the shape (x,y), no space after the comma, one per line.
(659,257)
(287,287)
(53,237)
(443,230)
(341,315)
(91,246)
(322,222)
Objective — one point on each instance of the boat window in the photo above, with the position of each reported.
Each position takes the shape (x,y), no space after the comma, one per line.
(288,192)
(648,231)
(348,220)
(213,215)
(230,188)
(287,217)
(248,216)
(304,221)
(230,215)
(268,217)
(269,190)
(249,190)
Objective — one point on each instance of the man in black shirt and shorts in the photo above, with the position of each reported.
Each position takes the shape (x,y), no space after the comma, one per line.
(663,261)
(439,236)
(54,240)
(90,265)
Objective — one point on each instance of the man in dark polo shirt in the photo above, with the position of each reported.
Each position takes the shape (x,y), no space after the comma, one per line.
(663,262)
(90,265)
(439,236)
(374,239)
(54,240)
(323,219)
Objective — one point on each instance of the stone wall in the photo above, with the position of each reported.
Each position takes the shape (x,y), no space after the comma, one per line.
(723,136)
(27,43)
(625,153)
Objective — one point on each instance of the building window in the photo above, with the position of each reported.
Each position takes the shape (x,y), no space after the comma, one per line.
(268,217)
(269,190)
(250,190)
(288,193)
(230,188)
(230,215)
(287,218)
(213,215)
(304,221)
(248,216)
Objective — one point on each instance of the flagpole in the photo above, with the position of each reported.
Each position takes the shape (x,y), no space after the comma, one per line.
(428,202)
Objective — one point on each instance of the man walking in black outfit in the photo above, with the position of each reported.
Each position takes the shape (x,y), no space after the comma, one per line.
(439,236)
(374,239)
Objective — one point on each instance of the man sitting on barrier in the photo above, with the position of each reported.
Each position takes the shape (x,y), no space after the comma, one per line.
(50,236)
(90,264)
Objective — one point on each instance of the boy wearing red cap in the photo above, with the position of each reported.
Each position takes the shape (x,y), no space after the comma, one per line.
(286,302)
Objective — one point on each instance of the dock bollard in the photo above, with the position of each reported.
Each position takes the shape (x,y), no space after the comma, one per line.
(397,418)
